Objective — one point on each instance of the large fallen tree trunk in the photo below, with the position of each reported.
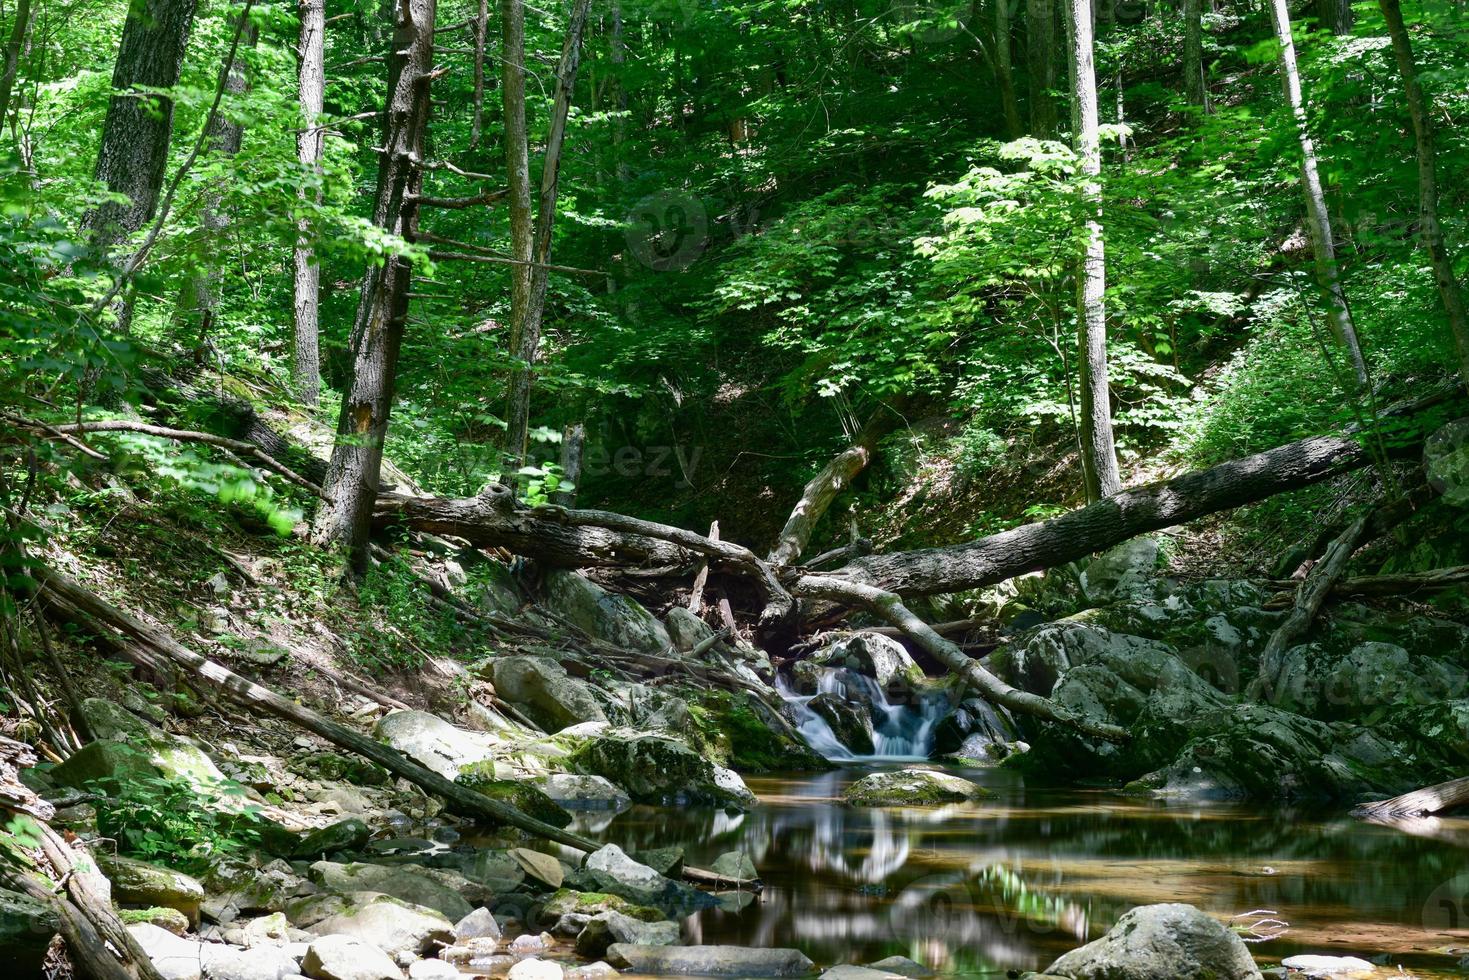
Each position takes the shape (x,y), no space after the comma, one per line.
(1111,521)
(1420,802)
(81,604)
(821,490)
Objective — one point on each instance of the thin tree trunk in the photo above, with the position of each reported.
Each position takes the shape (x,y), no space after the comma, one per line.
(1449,289)
(311,91)
(1040,50)
(13,48)
(1318,220)
(572,439)
(1194,90)
(820,491)
(137,129)
(345,515)
(1004,73)
(481,30)
(522,220)
(1098,454)
(197,297)
(526,330)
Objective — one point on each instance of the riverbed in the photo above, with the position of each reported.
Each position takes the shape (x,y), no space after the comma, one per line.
(1008,884)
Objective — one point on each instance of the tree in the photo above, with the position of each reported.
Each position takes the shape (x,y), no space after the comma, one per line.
(1194,89)
(522,218)
(1040,37)
(1003,72)
(138,126)
(1318,220)
(351,484)
(1449,290)
(13,48)
(1098,453)
(311,91)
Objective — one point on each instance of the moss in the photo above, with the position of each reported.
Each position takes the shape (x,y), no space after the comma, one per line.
(480,777)
(751,744)
(590,903)
(171,919)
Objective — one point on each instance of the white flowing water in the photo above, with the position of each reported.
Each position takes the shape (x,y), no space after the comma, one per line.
(902,729)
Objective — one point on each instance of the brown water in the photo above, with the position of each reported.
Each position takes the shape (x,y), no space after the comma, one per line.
(1009,884)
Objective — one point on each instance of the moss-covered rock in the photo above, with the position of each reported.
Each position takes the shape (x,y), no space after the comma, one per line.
(913,787)
(148,885)
(161,916)
(658,769)
(524,796)
(26,928)
(567,901)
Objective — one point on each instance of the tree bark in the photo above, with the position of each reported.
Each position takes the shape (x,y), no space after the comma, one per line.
(1335,15)
(1450,292)
(345,515)
(1111,521)
(310,141)
(481,30)
(1318,219)
(1004,72)
(525,334)
(572,439)
(1040,47)
(1419,803)
(1098,452)
(1194,90)
(13,48)
(819,492)
(522,220)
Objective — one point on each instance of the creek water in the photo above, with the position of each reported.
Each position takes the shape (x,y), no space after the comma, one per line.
(1010,883)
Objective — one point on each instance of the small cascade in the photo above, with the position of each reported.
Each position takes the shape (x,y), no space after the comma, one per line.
(900,730)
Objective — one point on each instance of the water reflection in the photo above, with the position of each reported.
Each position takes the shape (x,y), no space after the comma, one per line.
(1010,884)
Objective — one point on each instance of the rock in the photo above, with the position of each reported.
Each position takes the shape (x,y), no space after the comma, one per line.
(530,943)
(658,769)
(344,835)
(880,657)
(913,787)
(524,796)
(235,887)
(577,792)
(851,723)
(847,971)
(417,886)
(604,615)
(173,957)
(140,883)
(1126,570)
(543,689)
(1329,966)
(478,924)
(348,958)
(734,864)
(1371,675)
(274,929)
(588,904)
(26,928)
(710,961)
(1155,941)
(433,970)
(903,966)
(592,971)
(609,869)
(172,920)
(259,963)
(169,755)
(664,860)
(542,867)
(686,629)
(606,928)
(534,969)
(434,743)
(393,926)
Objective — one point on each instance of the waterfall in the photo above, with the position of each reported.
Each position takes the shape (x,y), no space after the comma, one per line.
(900,730)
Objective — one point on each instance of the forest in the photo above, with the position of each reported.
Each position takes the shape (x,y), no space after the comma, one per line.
(848,489)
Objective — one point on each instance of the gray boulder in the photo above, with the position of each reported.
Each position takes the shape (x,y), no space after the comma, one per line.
(685,629)
(434,743)
(913,787)
(1153,942)
(880,657)
(604,615)
(660,769)
(578,792)
(348,958)
(26,928)
(851,723)
(710,961)
(606,928)
(393,926)
(479,924)
(344,835)
(903,966)
(541,687)
(1126,570)
(610,870)
(417,886)
(140,883)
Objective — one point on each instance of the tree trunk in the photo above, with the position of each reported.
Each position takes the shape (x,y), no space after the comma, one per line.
(197,298)
(522,221)
(481,31)
(1318,220)
(573,437)
(137,129)
(1098,454)
(1194,90)
(1335,15)
(1419,803)
(526,330)
(818,494)
(1004,73)
(1449,290)
(13,48)
(311,91)
(345,515)
(1040,48)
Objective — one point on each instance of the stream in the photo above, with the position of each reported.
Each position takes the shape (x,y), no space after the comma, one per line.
(978,889)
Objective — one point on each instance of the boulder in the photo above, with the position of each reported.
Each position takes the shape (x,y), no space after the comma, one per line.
(710,961)
(903,966)
(393,926)
(434,743)
(258,963)
(588,904)
(1155,941)
(913,787)
(604,615)
(140,883)
(1332,685)
(479,924)
(880,657)
(1313,966)
(686,629)
(535,969)
(417,886)
(542,688)
(173,957)
(850,723)
(433,970)
(348,958)
(235,887)
(578,792)
(1126,570)
(164,918)
(606,928)
(659,769)
(847,971)
(610,870)
(26,928)
(734,864)
(152,749)
(525,796)
(344,835)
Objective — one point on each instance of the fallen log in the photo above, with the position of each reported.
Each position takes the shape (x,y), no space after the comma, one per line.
(822,489)
(1418,803)
(1111,521)
(76,601)
(1405,585)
